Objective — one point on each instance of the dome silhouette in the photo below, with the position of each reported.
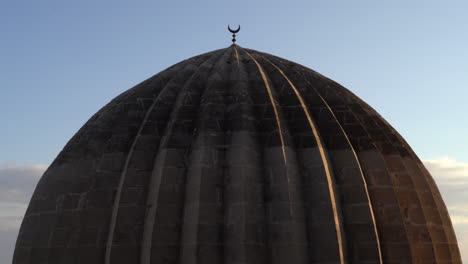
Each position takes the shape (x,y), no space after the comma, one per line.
(236,156)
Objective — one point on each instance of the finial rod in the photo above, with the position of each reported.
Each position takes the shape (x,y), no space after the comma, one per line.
(233,33)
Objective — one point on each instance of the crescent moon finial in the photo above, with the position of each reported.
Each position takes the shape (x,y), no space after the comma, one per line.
(234,33)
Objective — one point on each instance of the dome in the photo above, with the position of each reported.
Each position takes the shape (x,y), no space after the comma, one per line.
(236,156)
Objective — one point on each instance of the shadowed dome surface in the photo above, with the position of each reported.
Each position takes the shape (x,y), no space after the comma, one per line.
(236,156)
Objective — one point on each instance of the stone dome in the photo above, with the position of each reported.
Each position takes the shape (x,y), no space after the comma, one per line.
(236,156)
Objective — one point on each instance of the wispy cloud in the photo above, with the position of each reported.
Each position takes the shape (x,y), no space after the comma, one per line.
(452,179)
(10,223)
(448,171)
(16,187)
(17,182)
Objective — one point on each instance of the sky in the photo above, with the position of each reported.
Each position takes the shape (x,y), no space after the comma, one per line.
(61,61)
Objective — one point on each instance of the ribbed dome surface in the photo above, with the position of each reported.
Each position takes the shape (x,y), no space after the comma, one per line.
(236,156)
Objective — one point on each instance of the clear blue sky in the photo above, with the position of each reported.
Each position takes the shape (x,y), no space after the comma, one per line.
(60,61)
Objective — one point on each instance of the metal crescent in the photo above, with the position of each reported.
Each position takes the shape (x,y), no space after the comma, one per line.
(234,31)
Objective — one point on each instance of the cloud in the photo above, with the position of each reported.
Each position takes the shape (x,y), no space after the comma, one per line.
(7,245)
(448,171)
(17,182)
(16,187)
(10,223)
(452,179)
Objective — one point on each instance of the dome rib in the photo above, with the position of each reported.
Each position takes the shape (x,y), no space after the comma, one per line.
(430,228)
(92,201)
(295,99)
(116,204)
(169,158)
(203,211)
(443,212)
(296,226)
(347,184)
(162,95)
(118,194)
(420,236)
(436,197)
(325,155)
(441,208)
(273,103)
(375,171)
(421,186)
(445,221)
(318,245)
(358,163)
(244,183)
